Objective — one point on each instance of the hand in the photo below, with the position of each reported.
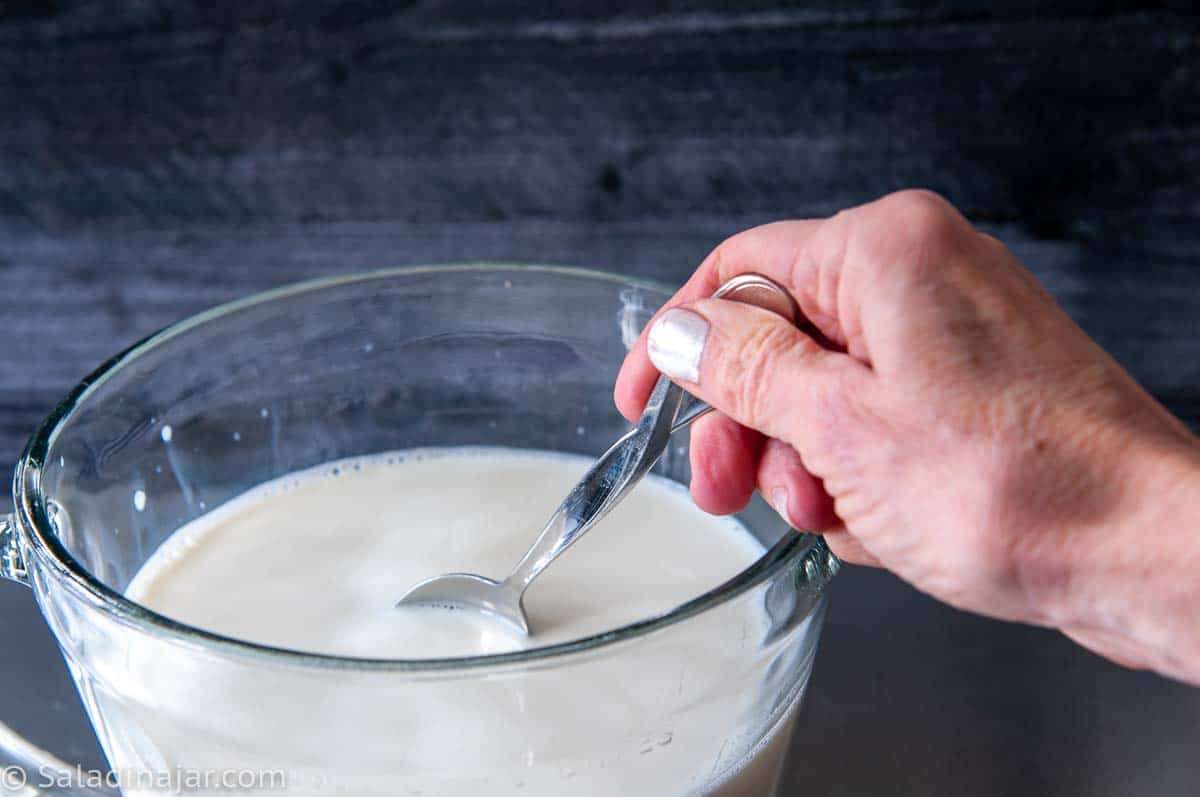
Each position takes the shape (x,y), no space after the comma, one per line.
(941,416)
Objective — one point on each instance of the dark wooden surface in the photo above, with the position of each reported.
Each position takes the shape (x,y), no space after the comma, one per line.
(156,159)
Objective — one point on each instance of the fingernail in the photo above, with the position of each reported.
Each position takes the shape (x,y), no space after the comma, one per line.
(676,343)
(779,500)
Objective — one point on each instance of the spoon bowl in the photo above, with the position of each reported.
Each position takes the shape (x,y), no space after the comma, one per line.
(501,599)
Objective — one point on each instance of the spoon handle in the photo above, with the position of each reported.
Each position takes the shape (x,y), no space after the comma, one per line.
(606,482)
(692,409)
(615,473)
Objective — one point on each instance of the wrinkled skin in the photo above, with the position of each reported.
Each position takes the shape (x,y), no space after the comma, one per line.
(939,415)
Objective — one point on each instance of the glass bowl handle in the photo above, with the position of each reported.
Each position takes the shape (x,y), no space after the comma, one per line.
(27,770)
(12,561)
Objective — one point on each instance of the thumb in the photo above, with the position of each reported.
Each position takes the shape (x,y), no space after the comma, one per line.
(756,367)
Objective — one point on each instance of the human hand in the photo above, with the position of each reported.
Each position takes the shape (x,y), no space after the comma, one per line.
(940,416)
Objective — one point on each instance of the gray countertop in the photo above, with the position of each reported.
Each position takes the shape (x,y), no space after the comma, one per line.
(154,163)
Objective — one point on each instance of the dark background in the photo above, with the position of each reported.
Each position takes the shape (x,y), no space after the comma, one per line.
(156,159)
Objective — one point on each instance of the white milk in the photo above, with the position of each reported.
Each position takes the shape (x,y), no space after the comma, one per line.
(316,561)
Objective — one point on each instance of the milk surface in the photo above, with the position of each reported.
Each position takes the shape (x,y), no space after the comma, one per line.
(315,562)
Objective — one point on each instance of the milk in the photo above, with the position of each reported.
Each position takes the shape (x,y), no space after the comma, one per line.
(315,562)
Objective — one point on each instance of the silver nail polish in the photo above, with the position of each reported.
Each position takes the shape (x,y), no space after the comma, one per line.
(779,500)
(676,344)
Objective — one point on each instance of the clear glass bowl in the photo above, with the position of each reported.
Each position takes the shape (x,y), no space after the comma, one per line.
(439,356)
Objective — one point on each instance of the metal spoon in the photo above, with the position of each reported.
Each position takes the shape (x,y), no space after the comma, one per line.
(668,410)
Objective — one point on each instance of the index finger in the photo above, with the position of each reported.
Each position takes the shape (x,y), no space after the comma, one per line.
(773,250)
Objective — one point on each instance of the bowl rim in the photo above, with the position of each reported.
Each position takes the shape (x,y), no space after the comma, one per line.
(817,568)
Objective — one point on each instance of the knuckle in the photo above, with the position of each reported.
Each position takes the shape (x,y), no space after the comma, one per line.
(923,217)
(743,250)
(760,357)
(724,259)
(911,233)
(919,201)
(720,254)
(991,242)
